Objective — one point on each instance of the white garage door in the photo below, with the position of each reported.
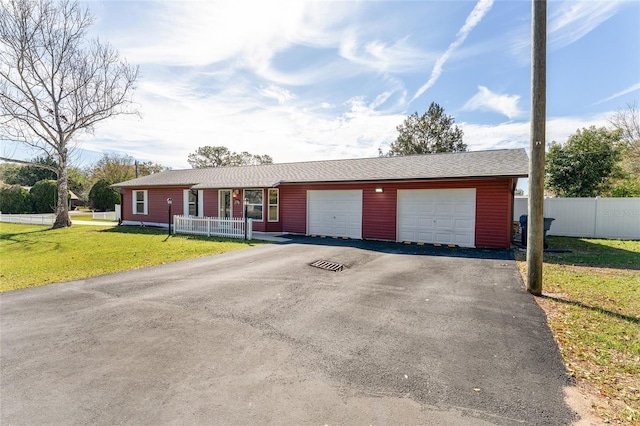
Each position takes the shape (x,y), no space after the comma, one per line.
(445,216)
(335,213)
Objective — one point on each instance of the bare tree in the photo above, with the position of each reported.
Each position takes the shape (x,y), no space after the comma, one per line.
(628,121)
(55,83)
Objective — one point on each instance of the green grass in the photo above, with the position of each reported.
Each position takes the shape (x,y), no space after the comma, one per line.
(592,301)
(32,255)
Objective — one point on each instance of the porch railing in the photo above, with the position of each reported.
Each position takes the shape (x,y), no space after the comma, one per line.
(212,226)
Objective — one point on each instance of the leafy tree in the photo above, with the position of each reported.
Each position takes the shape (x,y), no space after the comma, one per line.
(220,156)
(431,133)
(583,166)
(116,168)
(55,82)
(28,175)
(628,186)
(44,196)
(14,199)
(102,197)
(78,180)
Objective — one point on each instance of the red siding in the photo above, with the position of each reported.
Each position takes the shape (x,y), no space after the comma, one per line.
(293,208)
(493,221)
(493,206)
(157,209)
(210,202)
(379,210)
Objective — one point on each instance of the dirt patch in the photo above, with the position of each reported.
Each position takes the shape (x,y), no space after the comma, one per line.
(583,403)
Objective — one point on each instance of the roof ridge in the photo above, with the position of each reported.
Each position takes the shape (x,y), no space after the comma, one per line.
(351,159)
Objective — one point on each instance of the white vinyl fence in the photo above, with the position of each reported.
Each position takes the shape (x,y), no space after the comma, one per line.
(589,217)
(104,215)
(31,219)
(212,226)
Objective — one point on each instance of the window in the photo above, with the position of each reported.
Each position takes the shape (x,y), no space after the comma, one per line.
(273,205)
(192,202)
(139,202)
(254,208)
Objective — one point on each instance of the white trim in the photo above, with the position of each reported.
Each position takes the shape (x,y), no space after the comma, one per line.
(230,191)
(134,202)
(269,205)
(185,202)
(143,224)
(199,202)
(244,195)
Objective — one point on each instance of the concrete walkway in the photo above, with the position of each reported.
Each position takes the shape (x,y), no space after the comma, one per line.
(92,222)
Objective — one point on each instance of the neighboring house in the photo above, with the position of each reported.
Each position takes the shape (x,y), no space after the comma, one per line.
(464,199)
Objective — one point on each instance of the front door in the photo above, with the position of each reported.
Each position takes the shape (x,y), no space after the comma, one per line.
(225,204)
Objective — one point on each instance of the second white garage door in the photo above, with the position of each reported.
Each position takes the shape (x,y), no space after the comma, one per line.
(335,213)
(445,216)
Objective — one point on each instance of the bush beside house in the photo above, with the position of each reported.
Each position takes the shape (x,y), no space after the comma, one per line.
(14,199)
(102,197)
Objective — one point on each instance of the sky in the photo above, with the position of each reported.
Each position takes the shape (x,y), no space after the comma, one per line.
(312,80)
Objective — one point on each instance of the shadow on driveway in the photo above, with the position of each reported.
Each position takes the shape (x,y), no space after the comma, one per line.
(399,248)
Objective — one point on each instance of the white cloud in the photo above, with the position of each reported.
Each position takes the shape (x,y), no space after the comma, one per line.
(481,8)
(516,134)
(398,56)
(569,21)
(200,33)
(243,120)
(486,100)
(616,95)
(278,93)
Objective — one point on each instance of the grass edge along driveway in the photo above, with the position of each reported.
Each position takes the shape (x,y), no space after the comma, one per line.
(591,297)
(33,255)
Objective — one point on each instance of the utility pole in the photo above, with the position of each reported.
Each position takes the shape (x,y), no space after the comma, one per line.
(535,219)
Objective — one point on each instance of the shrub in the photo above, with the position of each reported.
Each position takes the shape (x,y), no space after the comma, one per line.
(44,196)
(102,197)
(14,199)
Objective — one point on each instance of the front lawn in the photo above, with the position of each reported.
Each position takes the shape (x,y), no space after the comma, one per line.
(34,255)
(592,301)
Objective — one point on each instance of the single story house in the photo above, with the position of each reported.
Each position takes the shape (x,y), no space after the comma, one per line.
(464,199)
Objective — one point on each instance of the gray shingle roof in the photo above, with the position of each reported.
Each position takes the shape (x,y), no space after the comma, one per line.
(505,162)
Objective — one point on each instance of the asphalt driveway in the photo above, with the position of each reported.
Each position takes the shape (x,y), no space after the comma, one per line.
(403,335)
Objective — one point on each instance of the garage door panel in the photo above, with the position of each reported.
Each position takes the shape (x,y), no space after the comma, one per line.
(444,209)
(444,238)
(335,213)
(464,209)
(426,208)
(445,216)
(426,224)
(426,237)
(463,240)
